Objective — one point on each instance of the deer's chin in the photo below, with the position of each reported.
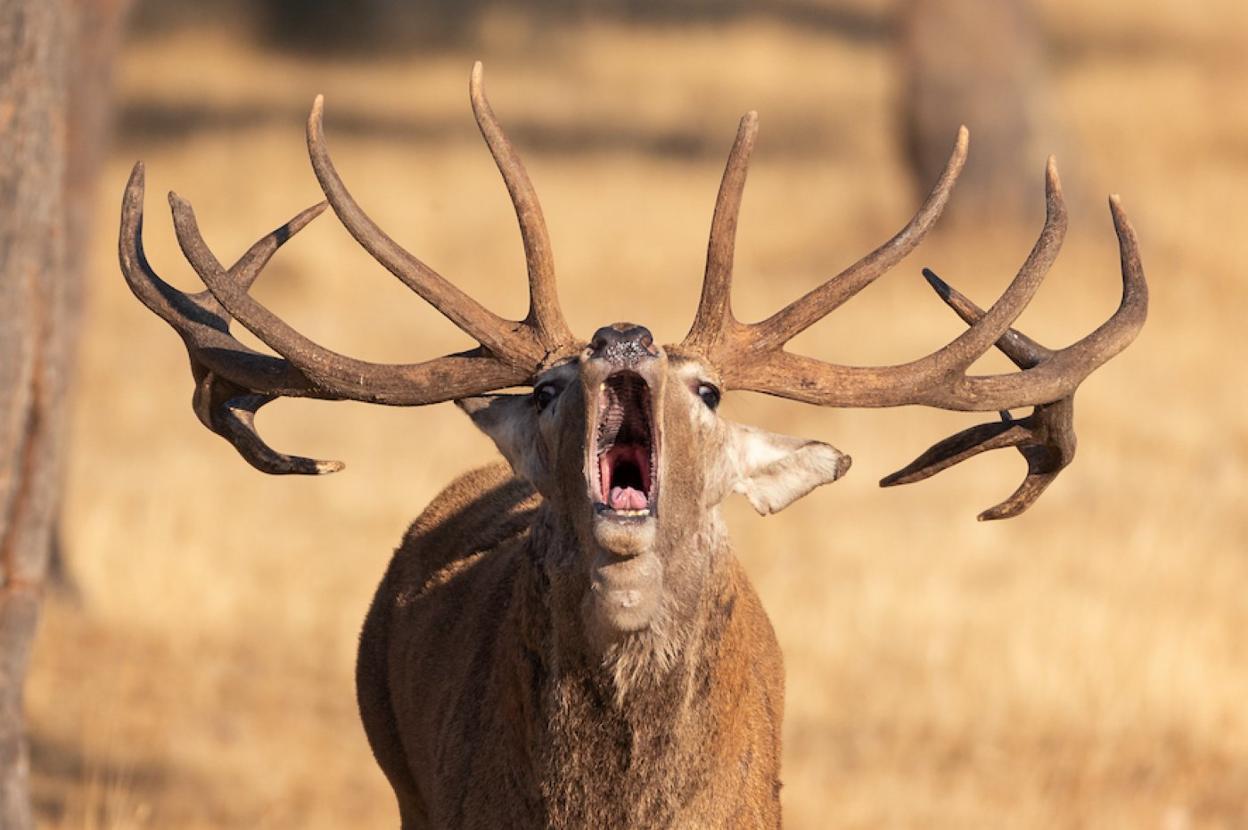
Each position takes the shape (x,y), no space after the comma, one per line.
(623,536)
(625,593)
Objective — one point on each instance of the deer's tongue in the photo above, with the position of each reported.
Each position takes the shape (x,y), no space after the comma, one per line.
(626,498)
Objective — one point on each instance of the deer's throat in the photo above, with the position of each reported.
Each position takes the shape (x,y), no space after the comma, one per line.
(626,594)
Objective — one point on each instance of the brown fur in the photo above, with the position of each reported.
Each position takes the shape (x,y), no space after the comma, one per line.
(486,708)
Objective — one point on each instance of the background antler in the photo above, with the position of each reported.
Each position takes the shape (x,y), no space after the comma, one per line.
(752,356)
(233,381)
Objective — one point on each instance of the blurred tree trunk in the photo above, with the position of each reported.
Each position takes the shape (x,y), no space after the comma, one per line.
(52,102)
(978,63)
(94,27)
(33,365)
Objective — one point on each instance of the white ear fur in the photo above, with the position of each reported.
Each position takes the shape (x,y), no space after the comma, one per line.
(773,471)
(511,423)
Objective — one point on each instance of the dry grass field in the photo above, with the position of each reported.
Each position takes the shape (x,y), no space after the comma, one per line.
(1085,665)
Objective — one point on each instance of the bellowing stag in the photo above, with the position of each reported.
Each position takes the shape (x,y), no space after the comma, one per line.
(567,640)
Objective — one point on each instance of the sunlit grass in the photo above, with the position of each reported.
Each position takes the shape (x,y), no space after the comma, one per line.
(1083,665)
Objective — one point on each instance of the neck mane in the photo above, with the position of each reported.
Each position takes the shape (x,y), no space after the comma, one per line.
(621,722)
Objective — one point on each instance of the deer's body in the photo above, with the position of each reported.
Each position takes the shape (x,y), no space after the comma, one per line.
(486,708)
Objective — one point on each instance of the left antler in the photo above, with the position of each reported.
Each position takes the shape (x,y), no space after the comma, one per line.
(752,356)
(233,381)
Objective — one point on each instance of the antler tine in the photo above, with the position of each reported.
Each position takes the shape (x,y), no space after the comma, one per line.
(441,379)
(965,349)
(957,448)
(1045,438)
(714,312)
(545,315)
(167,302)
(225,370)
(1015,345)
(491,331)
(236,422)
(816,304)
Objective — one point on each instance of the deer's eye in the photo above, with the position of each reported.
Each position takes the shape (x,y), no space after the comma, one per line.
(709,395)
(544,395)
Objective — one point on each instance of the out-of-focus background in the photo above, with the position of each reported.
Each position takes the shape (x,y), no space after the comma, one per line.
(1085,665)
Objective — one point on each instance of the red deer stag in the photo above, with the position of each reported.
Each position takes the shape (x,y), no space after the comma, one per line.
(567,640)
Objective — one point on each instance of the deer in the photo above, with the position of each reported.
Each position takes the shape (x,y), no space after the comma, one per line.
(565,638)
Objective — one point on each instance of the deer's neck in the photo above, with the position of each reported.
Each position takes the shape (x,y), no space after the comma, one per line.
(624,724)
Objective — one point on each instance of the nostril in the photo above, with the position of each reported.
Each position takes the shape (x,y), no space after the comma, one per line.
(623,343)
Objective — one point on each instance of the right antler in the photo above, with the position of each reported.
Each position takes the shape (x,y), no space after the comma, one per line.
(752,356)
(233,381)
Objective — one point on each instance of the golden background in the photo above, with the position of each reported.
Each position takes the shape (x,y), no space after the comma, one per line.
(1083,665)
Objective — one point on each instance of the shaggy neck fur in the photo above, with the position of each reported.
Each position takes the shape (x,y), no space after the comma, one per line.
(611,716)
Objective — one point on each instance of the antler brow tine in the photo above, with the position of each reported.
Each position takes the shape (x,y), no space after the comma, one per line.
(714,313)
(544,315)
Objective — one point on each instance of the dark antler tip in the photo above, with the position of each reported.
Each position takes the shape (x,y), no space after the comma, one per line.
(938,285)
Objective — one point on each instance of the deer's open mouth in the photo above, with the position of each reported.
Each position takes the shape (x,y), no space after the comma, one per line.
(625,447)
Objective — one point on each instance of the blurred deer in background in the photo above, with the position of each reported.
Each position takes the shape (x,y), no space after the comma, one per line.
(567,640)
(981,62)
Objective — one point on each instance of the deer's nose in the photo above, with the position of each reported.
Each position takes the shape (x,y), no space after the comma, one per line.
(623,343)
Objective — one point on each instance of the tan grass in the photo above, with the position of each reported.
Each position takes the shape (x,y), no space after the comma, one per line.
(1084,665)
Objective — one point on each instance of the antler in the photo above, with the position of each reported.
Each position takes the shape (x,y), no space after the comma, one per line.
(232,381)
(752,356)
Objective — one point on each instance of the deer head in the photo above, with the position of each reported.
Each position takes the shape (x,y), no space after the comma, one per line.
(620,435)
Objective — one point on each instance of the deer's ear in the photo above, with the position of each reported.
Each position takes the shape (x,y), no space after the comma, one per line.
(511,423)
(773,471)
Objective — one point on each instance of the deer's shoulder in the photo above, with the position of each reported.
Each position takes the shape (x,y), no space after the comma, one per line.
(477,513)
